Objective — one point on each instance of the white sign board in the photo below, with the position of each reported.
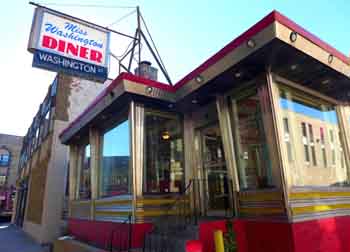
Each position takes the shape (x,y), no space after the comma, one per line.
(61,43)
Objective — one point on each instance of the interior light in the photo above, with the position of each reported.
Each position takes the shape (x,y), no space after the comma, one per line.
(330,58)
(251,43)
(238,74)
(199,78)
(325,82)
(293,36)
(149,90)
(293,67)
(165,135)
(194,101)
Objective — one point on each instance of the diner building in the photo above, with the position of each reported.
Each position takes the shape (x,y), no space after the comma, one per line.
(259,133)
(41,201)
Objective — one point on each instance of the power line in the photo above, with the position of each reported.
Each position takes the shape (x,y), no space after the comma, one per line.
(123,17)
(125,52)
(154,45)
(82,20)
(88,5)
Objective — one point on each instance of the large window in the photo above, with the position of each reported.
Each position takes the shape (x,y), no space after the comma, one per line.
(115,172)
(255,171)
(314,141)
(85,171)
(164,171)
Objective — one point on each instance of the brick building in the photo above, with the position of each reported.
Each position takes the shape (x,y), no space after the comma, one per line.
(40,204)
(10,147)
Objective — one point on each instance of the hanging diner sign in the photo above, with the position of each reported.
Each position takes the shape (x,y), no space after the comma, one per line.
(61,43)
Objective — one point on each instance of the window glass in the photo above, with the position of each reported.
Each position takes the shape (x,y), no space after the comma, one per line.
(115,173)
(315,140)
(287,139)
(85,180)
(312,145)
(4,157)
(163,169)
(2,180)
(37,138)
(251,146)
(46,123)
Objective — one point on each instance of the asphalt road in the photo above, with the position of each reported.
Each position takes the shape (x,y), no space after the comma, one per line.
(13,239)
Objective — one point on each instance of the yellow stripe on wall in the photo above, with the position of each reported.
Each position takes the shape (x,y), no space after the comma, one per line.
(154,213)
(260,196)
(317,195)
(141,202)
(318,208)
(112,214)
(261,210)
(113,202)
(78,202)
(148,213)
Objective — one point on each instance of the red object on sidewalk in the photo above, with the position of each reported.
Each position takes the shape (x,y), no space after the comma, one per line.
(194,246)
(99,232)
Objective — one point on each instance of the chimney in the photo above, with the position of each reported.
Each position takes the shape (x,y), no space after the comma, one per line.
(145,70)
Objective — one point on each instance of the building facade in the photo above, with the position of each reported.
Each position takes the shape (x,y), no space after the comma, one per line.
(10,147)
(260,132)
(41,197)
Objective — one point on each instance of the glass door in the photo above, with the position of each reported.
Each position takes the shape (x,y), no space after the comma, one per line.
(215,181)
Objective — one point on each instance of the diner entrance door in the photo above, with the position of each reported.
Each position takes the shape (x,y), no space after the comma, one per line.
(215,181)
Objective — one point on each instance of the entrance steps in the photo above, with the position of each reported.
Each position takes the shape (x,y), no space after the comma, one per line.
(171,241)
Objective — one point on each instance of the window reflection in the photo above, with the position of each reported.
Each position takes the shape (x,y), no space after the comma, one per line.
(315,140)
(115,171)
(164,171)
(85,180)
(254,163)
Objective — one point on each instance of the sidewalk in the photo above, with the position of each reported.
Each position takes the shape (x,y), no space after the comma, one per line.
(13,239)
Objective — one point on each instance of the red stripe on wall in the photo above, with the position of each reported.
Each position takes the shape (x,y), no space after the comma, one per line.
(98,233)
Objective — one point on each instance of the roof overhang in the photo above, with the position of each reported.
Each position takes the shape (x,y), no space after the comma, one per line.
(273,48)
(305,60)
(116,95)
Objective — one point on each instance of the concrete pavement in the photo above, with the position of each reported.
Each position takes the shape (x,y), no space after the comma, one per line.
(13,239)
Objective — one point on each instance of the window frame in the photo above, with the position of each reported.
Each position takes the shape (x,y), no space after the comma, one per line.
(7,164)
(319,99)
(169,114)
(81,150)
(3,180)
(121,117)
(247,89)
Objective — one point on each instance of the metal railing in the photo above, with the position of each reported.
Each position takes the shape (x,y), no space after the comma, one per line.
(179,223)
(178,216)
(120,238)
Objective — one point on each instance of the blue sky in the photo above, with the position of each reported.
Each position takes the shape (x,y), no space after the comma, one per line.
(120,135)
(186,33)
(316,113)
